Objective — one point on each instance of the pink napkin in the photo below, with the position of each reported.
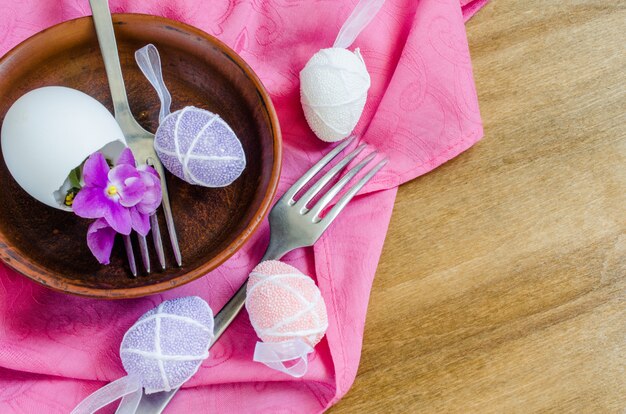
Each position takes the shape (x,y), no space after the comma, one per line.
(422,110)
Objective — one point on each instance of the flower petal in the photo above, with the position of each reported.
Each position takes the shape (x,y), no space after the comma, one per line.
(150,169)
(152,195)
(118,217)
(126,157)
(95,170)
(100,239)
(90,202)
(140,222)
(120,173)
(132,191)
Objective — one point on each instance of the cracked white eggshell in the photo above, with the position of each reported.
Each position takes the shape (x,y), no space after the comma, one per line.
(333,91)
(50,131)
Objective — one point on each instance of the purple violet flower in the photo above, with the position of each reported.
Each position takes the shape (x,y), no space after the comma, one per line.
(121,198)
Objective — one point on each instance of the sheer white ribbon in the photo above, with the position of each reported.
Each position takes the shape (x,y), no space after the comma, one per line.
(128,388)
(276,354)
(361,16)
(149,62)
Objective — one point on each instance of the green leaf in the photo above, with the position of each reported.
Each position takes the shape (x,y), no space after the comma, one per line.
(74,177)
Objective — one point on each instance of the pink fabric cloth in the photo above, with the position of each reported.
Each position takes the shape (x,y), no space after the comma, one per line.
(422,110)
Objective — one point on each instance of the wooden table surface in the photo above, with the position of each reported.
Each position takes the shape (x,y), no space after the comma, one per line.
(502,285)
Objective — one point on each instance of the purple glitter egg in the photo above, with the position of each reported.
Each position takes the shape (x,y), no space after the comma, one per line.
(199,147)
(166,346)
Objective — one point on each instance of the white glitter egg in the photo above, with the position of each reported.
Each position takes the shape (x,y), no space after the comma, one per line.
(166,346)
(333,91)
(199,147)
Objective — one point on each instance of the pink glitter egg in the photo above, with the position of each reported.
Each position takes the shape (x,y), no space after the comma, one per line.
(285,305)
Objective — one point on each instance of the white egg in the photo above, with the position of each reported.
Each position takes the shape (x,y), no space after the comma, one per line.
(50,131)
(333,91)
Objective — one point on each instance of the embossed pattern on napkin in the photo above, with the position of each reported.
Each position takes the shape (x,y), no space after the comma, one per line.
(422,110)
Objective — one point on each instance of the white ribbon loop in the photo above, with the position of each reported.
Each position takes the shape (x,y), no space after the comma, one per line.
(361,16)
(149,62)
(123,387)
(129,403)
(276,354)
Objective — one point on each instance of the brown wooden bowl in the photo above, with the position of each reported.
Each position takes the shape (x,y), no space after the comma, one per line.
(49,246)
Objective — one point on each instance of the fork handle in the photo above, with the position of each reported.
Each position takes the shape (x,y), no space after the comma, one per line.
(229,312)
(108,48)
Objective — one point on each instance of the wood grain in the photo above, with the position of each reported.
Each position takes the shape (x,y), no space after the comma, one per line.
(502,284)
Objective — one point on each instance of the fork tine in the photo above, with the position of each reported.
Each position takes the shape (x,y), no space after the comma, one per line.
(345,199)
(297,186)
(130,255)
(145,255)
(167,209)
(326,198)
(312,192)
(171,228)
(156,239)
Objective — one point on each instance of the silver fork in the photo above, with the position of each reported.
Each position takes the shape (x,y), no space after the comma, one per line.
(292,225)
(138,139)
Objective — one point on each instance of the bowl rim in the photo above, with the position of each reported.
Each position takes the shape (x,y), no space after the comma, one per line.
(16,261)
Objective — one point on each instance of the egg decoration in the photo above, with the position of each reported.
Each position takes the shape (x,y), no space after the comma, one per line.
(160,352)
(335,81)
(50,131)
(288,313)
(199,147)
(166,346)
(333,91)
(194,144)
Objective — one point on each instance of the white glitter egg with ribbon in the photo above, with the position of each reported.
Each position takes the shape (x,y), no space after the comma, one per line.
(199,147)
(288,313)
(333,91)
(166,346)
